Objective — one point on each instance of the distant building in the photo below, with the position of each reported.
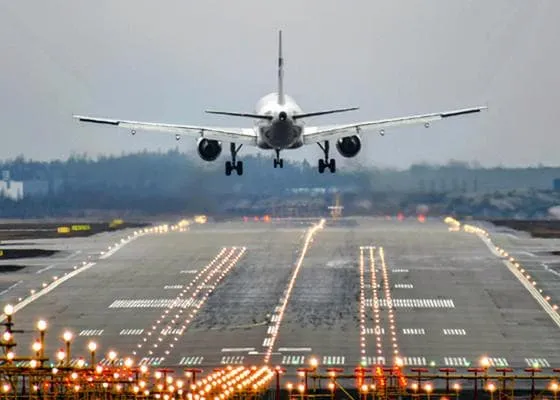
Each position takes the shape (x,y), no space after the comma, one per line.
(556,184)
(10,189)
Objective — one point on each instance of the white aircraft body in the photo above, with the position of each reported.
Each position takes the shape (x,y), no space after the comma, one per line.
(279,126)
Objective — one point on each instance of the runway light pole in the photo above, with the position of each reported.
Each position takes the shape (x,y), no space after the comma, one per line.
(92,346)
(42,327)
(67,339)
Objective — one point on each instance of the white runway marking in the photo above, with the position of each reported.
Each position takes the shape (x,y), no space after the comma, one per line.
(414,361)
(415,303)
(281,349)
(404,286)
(189,271)
(399,270)
(176,331)
(538,362)
(91,332)
(237,349)
(45,269)
(293,360)
(498,362)
(232,359)
(456,361)
(192,360)
(267,342)
(151,361)
(10,288)
(333,360)
(375,360)
(154,303)
(76,271)
(375,331)
(271,330)
(456,332)
(414,331)
(173,287)
(131,332)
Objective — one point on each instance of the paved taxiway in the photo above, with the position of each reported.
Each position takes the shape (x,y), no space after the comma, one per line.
(231,293)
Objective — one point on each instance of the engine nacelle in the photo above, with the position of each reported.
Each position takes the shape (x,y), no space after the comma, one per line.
(208,149)
(349,146)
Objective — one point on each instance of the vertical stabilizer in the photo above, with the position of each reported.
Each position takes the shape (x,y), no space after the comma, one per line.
(280,70)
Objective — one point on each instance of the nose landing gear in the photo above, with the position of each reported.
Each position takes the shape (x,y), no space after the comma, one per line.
(326,163)
(233,164)
(278,162)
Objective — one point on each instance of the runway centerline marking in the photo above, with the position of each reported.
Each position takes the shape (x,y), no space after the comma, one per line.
(287,293)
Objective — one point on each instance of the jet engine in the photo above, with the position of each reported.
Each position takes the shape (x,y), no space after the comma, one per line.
(349,146)
(208,150)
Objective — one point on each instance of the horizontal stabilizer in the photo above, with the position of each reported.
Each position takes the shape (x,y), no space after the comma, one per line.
(235,114)
(314,114)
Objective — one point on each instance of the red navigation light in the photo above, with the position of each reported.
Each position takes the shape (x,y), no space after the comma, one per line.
(266,218)
(245,219)
(400,216)
(256,218)
(421,218)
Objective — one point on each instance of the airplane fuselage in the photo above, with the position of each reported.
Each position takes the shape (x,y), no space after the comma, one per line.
(282,131)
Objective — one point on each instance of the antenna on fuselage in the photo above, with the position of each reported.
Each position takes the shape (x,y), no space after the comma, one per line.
(280,70)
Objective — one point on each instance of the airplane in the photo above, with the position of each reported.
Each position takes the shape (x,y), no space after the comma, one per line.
(279,126)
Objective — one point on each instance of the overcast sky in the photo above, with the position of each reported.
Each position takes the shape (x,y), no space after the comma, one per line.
(168,61)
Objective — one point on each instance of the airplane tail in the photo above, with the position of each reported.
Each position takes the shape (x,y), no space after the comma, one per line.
(280,70)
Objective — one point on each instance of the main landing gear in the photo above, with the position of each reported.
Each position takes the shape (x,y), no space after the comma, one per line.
(326,163)
(278,162)
(233,164)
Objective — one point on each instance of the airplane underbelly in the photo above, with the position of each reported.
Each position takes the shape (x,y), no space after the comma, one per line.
(281,136)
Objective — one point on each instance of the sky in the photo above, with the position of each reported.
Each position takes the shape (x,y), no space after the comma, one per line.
(170,60)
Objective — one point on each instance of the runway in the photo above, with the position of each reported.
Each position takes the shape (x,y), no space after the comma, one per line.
(356,291)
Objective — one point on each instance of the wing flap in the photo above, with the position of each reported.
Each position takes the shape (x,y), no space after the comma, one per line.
(238,135)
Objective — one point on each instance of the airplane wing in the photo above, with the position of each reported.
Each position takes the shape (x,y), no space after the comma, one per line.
(238,135)
(314,134)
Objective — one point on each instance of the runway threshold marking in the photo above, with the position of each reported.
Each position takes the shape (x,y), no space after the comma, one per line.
(414,331)
(91,332)
(414,303)
(537,362)
(191,360)
(293,360)
(277,321)
(404,286)
(334,360)
(128,332)
(456,332)
(234,360)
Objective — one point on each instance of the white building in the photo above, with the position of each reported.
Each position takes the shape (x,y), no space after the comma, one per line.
(10,189)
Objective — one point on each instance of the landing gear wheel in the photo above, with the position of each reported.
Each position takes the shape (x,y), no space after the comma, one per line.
(228,168)
(332,165)
(326,163)
(233,164)
(321,165)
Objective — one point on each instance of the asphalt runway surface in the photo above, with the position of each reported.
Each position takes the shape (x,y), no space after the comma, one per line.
(246,293)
